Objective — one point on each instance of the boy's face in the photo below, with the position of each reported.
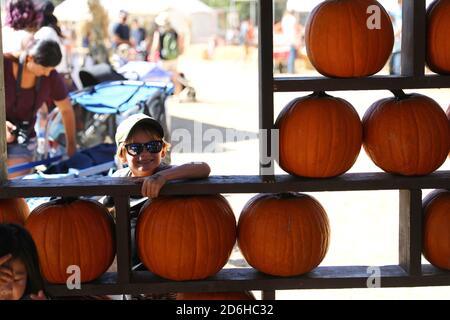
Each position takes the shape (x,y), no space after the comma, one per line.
(145,163)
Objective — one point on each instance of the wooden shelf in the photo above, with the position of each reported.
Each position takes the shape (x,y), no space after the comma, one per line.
(94,186)
(294,84)
(249,279)
(409,272)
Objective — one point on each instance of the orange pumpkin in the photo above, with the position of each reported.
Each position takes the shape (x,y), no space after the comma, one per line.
(245,295)
(186,238)
(320,136)
(14,210)
(72,232)
(436,234)
(283,234)
(339,42)
(438,29)
(407,135)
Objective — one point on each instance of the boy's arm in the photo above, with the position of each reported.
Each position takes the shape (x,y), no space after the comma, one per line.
(194,170)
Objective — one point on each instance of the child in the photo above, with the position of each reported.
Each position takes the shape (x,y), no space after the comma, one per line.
(20,276)
(140,145)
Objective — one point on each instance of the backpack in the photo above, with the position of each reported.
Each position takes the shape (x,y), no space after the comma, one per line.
(169,45)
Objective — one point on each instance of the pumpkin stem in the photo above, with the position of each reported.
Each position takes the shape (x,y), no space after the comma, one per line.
(399,94)
(66,200)
(320,94)
(286,195)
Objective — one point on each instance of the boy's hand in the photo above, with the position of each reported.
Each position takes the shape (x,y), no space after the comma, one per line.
(6,279)
(152,185)
(39,296)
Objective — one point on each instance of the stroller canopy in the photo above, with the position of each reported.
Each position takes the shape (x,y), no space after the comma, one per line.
(117,96)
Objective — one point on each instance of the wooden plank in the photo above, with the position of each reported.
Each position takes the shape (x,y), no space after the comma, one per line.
(266,114)
(92,186)
(249,279)
(410,231)
(413,38)
(294,84)
(269,295)
(123,236)
(3,155)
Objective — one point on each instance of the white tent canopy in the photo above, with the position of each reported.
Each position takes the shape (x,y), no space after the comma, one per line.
(77,10)
(187,16)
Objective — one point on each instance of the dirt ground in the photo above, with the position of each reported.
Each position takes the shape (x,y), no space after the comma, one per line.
(364,224)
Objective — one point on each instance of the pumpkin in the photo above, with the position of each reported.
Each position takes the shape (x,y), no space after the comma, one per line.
(71,232)
(438,29)
(319,136)
(283,234)
(244,295)
(407,135)
(186,238)
(14,210)
(339,42)
(436,228)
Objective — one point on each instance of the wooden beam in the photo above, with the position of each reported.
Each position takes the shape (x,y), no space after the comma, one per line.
(3,155)
(294,84)
(94,186)
(240,279)
(413,48)
(123,237)
(265,63)
(410,231)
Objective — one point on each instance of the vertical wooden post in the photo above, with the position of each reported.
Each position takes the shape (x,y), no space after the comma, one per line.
(413,38)
(123,239)
(268,295)
(3,155)
(265,64)
(410,231)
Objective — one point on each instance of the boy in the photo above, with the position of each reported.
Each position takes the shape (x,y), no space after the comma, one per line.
(140,145)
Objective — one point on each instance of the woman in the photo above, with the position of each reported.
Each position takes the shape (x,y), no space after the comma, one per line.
(30,80)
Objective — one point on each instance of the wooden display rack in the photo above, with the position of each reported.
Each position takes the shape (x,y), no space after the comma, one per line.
(408,273)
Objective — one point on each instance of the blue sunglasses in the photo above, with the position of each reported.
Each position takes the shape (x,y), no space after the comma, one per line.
(135,149)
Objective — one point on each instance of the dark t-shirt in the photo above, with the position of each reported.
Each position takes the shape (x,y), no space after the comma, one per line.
(122,31)
(51,88)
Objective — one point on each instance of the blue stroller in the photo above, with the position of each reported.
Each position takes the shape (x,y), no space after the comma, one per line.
(107,104)
(100,108)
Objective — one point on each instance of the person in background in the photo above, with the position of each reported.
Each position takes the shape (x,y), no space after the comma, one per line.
(395,61)
(50,30)
(30,80)
(137,33)
(21,22)
(247,35)
(167,46)
(292,32)
(121,30)
(20,277)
